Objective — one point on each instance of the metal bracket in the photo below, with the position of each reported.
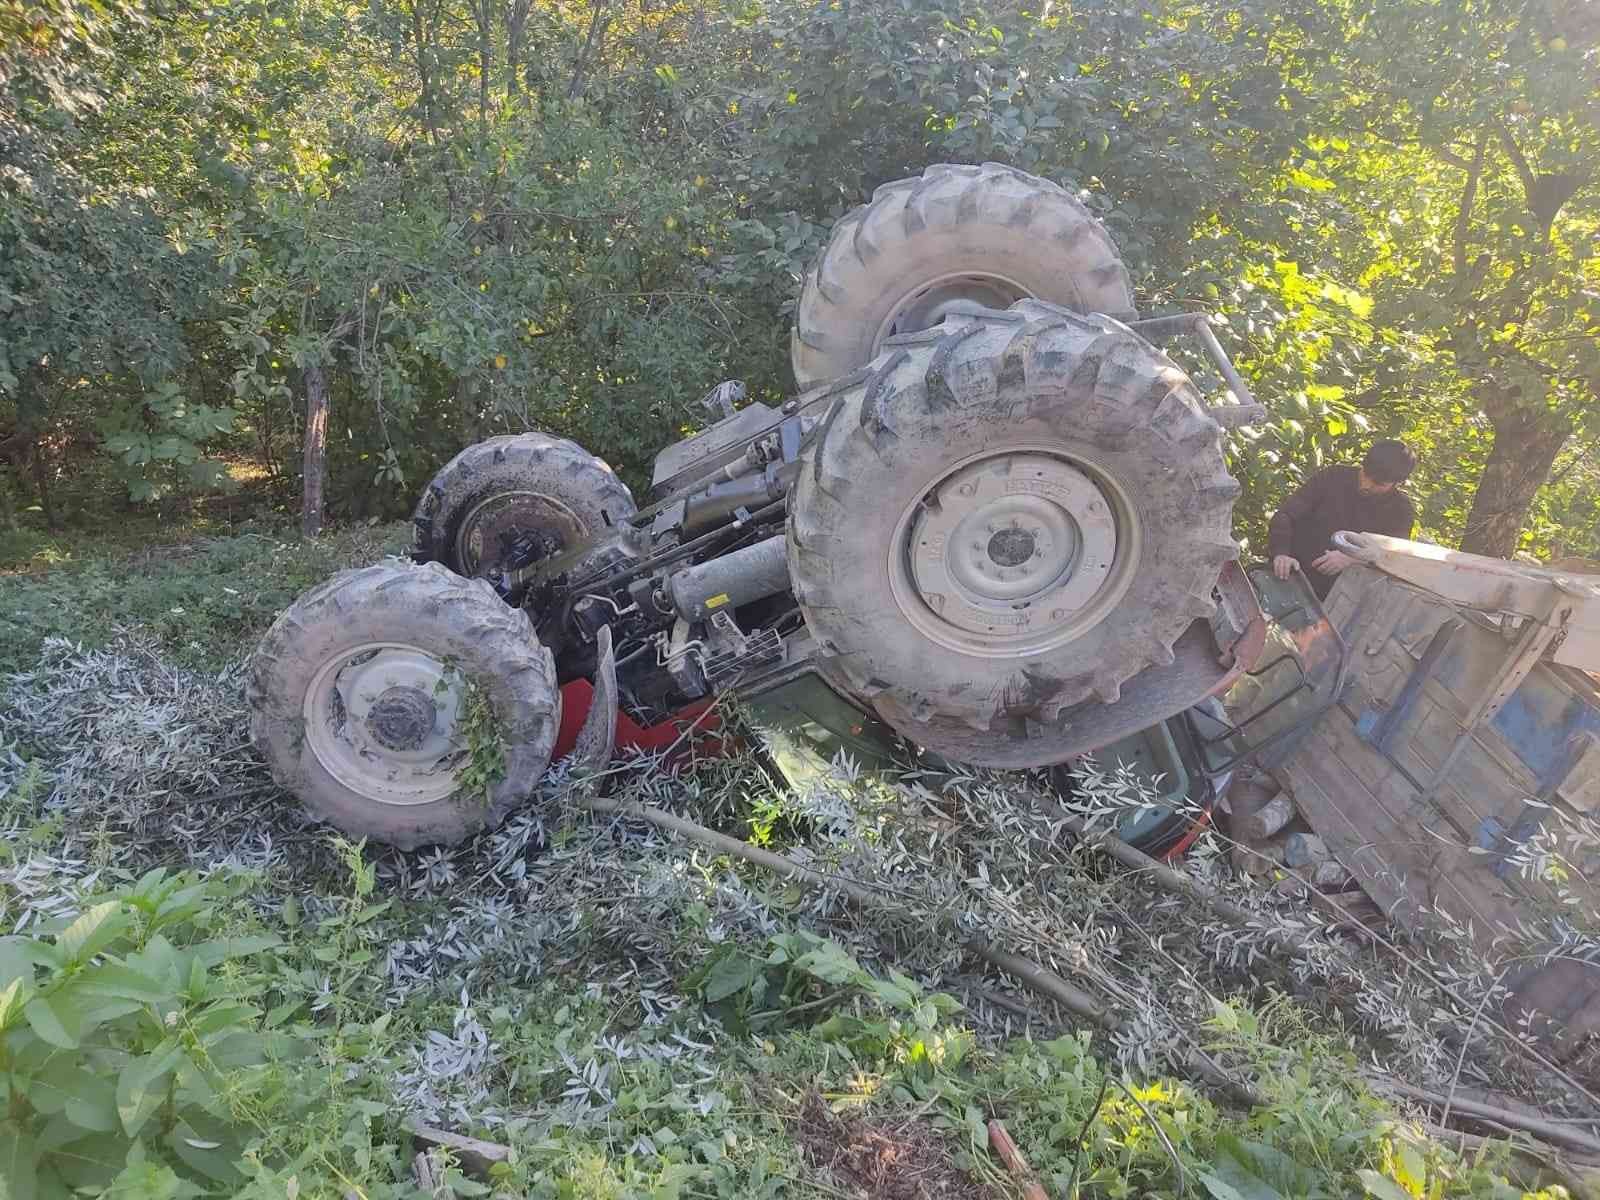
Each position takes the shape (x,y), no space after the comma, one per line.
(790,436)
(720,400)
(1387,728)
(1243,409)
(597,738)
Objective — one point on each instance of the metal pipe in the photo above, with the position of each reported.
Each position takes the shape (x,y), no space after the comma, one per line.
(1244,410)
(725,583)
(718,503)
(644,566)
(1159,329)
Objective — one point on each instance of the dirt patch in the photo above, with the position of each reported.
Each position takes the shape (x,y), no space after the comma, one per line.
(886,1159)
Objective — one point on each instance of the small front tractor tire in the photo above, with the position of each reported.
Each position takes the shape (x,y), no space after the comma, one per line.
(530,483)
(404,704)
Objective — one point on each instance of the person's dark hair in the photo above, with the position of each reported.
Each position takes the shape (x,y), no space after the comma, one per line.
(1389,461)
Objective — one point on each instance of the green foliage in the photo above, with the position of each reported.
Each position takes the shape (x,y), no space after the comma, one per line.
(581,219)
(1463,202)
(167,434)
(486,744)
(94,293)
(129,1046)
(869,1015)
(336,969)
(227,591)
(1321,1134)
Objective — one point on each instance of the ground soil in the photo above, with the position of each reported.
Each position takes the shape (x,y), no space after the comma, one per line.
(890,1158)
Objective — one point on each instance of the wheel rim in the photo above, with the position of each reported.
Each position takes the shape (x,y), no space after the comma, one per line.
(507,514)
(382,719)
(929,303)
(1013,552)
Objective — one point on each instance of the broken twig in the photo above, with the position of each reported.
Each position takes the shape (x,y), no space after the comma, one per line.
(1001,1142)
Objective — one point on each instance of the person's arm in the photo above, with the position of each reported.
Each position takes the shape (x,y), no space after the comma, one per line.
(1304,500)
(1397,520)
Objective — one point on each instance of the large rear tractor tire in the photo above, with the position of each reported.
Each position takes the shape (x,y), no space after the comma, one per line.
(954,237)
(404,704)
(524,483)
(1003,521)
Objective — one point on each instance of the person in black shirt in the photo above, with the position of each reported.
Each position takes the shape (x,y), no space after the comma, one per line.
(1364,499)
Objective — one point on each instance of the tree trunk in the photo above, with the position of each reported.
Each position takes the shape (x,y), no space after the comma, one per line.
(1526,443)
(41,484)
(8,503)
(422,48)
(597,31)
(316,457)
(516,23)
(33,421)
(484,15)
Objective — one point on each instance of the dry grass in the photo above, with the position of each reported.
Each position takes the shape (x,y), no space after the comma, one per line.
(885,1158)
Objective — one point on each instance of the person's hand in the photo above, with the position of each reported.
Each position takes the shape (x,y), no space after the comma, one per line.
(1284,565)
(1332,562)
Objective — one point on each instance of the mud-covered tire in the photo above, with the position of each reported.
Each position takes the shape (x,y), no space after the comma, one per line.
(522,479)
(1086,399)
(990,234)
(344,777)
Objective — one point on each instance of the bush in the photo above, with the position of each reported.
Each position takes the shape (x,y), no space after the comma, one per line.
(129,1048)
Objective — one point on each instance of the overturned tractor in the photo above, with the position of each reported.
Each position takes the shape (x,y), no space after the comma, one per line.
(994,527)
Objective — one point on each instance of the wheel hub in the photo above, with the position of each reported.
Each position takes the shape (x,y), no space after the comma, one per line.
(1008,552)
(1012,546)
(401,718)
(931,303)
(382,719)
(497,521)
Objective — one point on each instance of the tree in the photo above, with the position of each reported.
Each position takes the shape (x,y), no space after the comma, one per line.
(1475,155)
(95,289)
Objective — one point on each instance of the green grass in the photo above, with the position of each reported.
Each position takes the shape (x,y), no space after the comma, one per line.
(205,597)
(601,1101)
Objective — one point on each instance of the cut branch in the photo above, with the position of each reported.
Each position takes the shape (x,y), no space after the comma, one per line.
(1550,1131)
(1038,979)
(1041,980)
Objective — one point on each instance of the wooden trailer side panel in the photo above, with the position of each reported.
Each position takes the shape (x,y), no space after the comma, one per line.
(1367,778)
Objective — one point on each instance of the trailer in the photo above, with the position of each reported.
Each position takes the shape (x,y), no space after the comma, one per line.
(1437,723)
